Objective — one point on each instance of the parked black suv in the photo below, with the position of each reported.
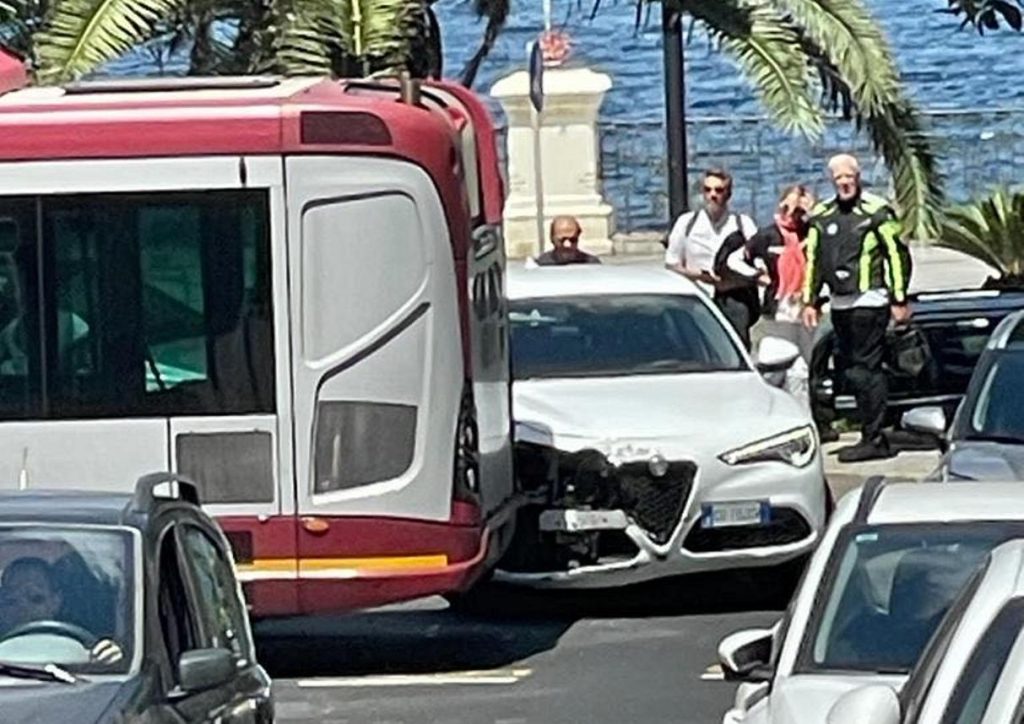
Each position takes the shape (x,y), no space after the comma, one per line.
(118,608)
(954,328)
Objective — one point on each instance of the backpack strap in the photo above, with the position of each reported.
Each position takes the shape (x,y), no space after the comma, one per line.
(692,223)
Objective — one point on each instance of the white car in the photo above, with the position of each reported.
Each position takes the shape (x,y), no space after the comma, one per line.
(651,443)
(893,559)
(973,669)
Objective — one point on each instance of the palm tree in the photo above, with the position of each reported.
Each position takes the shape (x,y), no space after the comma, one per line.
(66,39)
(992,230)
(806,57)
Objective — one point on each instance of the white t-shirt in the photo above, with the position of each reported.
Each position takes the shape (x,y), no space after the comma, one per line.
(697,249)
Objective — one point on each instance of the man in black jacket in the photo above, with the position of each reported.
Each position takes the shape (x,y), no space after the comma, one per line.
(854,248)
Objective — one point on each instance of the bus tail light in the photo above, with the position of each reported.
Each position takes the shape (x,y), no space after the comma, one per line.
(343,127)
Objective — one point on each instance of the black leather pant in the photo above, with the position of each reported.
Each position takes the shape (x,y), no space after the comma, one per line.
(860,349)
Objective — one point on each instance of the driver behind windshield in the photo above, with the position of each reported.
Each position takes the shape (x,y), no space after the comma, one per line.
(29,594)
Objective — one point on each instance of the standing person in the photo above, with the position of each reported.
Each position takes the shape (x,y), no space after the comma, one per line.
(565,237)
(854,247)
(696,239)
(775,258)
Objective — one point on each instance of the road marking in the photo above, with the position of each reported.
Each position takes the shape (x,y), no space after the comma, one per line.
(454,678)
(713,673)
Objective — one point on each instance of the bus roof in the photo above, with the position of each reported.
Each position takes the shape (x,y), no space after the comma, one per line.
(168,117)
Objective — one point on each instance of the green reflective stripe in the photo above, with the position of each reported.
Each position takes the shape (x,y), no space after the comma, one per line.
(867,252)
(810,290)
(889,233)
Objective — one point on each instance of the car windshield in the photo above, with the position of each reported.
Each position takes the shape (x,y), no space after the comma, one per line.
(997,414)
(888,589)
(66,597)
(612,335)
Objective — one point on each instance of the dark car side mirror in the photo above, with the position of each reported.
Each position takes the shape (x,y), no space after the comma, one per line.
(203,669)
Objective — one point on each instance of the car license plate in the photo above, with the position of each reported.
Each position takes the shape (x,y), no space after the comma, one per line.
(724,515)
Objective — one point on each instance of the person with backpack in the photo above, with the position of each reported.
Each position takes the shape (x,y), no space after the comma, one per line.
(696,240)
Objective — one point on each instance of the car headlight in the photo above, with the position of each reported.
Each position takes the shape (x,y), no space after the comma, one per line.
(796,447)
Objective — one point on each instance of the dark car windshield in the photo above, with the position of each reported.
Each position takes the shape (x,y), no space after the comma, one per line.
(67,597)
(995,413)
(612,335)
(888,589)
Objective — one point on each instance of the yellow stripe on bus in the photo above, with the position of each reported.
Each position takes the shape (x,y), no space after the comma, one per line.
(365,564)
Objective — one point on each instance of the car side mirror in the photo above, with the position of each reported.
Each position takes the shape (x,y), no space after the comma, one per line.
(877,704)
(746,655)
(202,669)
(928,420)
(775,354)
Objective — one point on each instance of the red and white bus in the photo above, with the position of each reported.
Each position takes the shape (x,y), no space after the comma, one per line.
(290,290)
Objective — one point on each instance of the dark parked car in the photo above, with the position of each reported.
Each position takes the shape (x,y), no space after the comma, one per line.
(986,440)
(117,608)
(953,327)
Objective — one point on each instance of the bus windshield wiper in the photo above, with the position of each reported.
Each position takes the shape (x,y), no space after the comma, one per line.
(49,672)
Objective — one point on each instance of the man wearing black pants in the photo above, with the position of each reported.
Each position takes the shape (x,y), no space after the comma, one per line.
(854,247)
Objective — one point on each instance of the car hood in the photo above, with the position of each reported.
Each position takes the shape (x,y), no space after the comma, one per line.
(989,461)
(713,411)
(29,701)
(807,698)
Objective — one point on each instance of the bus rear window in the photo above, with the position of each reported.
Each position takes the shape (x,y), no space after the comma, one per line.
(130,305)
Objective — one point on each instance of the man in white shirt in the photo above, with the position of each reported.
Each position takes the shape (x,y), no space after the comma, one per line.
(697,237)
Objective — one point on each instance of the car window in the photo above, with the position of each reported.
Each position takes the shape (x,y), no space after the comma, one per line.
(177,625)
(629,334)
(888,589)
(995,412)
(919,683)
(221,612)
(63,591)
(978,680)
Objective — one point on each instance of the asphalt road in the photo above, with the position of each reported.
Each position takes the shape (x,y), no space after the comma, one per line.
(639,655)
(605,658)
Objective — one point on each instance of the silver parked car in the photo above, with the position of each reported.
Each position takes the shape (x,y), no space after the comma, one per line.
(972,671)
(986,439)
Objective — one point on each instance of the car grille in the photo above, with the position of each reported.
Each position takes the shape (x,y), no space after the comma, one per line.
(656,504)
(786,526)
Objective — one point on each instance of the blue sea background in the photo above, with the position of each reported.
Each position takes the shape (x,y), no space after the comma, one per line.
(969,87)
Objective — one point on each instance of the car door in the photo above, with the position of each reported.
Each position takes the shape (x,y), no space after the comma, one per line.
(223,624)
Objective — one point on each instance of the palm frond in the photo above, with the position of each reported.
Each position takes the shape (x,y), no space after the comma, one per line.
(496,12)
(79,35)
(859,76)
(320,36)
(308,34)
(768,50)
(991,230)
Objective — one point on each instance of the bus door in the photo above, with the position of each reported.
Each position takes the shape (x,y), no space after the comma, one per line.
(377,366)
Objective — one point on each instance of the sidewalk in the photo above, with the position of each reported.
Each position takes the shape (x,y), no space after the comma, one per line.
(843,478)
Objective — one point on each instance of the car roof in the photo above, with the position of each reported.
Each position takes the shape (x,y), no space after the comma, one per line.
(574,279)
(955,302)
(66,506)
(947,503)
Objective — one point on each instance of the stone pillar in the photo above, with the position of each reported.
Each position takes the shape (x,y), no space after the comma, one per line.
(570,151)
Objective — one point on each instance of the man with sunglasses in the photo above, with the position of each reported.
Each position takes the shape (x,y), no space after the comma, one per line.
(565,237)
(854,247)
(696,239)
